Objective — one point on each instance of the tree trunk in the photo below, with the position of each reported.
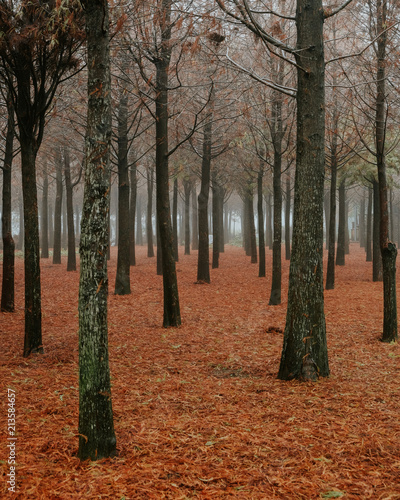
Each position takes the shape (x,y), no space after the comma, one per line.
(195,219)
(276,286)
(341,244)
(203,262)
(172,315)
(305,353)
(175,219)
(96,428)
(64,241)
(261,239)
(33,311)
(287,219)
(8,282)
(388,249)
(57,210)
(122,278)
(268,224)
(250,223)
(149,219)
(362,221)
(20,243)
(187,189)
(216,222)
(45,214)
(331,228)
(71,263)
(368,241)
(132,215)
(221,196)
(139,229)
(376,250)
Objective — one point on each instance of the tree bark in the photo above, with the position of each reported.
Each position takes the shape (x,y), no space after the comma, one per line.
(305,353)
(175,219)
(368,241)
(172,315)
(122,278)
(376,250)
(45,214)
(261,239)
(132,215)
(71,263)
(388,249)
(216,222)
(96,428)
(341,244)
(287,219)
(203,262)
(330,273)
(58,209)
(187,189)
(149,219)
(195,219)
(8,281)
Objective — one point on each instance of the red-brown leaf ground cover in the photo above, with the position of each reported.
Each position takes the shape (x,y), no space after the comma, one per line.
(199,412)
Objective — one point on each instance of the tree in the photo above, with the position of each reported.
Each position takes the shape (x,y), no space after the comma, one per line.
(96,428)
(38,42)
(7,290)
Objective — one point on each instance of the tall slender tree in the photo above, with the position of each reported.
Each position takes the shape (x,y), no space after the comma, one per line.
(96,428)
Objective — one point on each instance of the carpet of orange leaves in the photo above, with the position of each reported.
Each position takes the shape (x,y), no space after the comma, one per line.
(198,411)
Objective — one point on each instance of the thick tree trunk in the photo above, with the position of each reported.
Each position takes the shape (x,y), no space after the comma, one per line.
(45,214)
(71,263)
(203,262)
(122,278)
(305,353)
(261,239)
(33,312)
(388,249)
(149,219)
(96,427)
(58,209)
(8,282)
(187,189)
(341,244)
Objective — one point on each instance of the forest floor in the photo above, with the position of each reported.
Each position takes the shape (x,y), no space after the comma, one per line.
(198,410)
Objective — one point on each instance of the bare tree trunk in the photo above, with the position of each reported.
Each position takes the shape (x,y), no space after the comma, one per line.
(388,249)
(8,281)
(96,428)
(71,264)
(305,353)
(45,214)
(57,210)
(261,239)
(149,220)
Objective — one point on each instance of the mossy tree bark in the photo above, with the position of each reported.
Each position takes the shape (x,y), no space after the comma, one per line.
(96,428)
(304,353)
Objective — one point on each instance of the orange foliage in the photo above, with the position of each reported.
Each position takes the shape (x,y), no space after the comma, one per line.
(198,410)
